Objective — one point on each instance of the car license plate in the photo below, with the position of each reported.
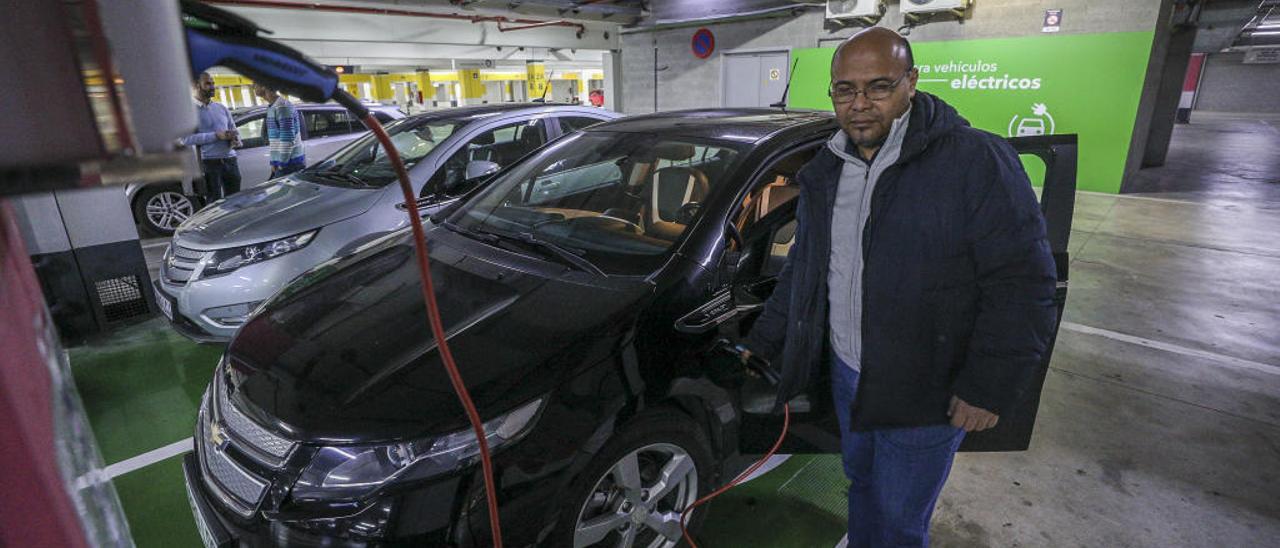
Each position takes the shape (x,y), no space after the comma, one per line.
(165,305)
(206,536)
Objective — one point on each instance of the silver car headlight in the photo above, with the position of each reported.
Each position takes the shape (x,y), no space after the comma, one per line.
(226,260)
(352,472)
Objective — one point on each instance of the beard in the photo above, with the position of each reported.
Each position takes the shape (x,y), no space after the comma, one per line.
(867,138)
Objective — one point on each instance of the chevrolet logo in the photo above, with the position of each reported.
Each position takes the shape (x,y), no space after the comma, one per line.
(216,436)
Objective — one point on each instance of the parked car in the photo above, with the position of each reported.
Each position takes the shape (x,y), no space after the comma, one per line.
(159,208)
(232,255)
(585,291)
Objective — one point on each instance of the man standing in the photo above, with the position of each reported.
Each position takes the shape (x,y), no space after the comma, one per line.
(284,133)
(216,138)
(921,263)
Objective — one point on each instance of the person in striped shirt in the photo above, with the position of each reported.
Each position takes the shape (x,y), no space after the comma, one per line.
(284,133)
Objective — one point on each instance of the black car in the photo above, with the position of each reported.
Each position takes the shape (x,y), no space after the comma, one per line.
(586,291)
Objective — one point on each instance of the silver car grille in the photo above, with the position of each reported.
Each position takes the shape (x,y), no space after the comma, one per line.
(240,489)
(180,263)
(261,444)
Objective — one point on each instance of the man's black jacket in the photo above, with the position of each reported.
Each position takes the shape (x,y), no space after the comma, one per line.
(958,279)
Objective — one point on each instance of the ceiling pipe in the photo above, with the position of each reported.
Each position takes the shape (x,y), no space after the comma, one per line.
(522,24)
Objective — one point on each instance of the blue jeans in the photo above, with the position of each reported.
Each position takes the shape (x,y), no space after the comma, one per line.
(895,475)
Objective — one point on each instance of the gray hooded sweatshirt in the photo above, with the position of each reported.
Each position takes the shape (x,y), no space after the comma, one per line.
(848,219)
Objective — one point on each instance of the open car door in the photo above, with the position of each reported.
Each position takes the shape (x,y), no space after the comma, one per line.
(813,424)
(1057,202)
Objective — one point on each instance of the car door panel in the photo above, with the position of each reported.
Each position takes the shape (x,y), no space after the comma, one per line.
(254,156)
(1057,202)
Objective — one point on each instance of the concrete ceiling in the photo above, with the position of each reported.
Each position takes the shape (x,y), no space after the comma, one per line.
(427,34)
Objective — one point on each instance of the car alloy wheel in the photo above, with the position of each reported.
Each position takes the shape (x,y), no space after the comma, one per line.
(638,501)
(167,209)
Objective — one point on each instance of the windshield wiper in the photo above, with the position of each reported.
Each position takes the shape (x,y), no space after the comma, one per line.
(335,174)
(565,255)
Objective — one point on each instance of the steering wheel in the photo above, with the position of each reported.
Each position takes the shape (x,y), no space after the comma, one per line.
(688,212)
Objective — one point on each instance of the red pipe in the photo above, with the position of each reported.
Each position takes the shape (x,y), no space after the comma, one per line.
(316,6)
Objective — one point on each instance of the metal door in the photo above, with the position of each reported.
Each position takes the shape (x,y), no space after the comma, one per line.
(754,79)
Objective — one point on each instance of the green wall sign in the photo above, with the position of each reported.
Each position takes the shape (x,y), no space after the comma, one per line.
(1087,84)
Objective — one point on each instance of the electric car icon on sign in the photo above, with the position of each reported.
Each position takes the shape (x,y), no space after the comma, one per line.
(586,291)
(1030,127)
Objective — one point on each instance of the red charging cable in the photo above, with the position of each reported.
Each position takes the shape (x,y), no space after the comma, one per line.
(684,516)
(437,326)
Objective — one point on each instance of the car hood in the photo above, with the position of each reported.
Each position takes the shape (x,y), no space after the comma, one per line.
(345,355)
(276,209)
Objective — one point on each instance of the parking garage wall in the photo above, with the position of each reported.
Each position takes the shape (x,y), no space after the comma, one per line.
(685,81)
(1229,85)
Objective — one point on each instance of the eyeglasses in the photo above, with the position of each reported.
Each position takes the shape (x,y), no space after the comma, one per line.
(879,91)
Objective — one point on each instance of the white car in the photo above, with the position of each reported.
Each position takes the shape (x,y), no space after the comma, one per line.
(158,209)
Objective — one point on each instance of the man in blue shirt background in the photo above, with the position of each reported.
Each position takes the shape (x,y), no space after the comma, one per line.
(284,132)
(215,139)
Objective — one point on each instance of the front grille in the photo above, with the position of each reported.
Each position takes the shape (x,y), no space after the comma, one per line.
(239,488)
(260,443)
(180,263)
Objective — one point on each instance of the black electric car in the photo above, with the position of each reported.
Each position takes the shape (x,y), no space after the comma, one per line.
(586,291)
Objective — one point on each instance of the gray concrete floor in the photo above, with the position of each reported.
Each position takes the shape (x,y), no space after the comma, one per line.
(1160,423)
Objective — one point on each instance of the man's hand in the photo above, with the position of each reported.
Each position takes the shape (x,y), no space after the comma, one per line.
(970,418)
(225,135)
(745,356)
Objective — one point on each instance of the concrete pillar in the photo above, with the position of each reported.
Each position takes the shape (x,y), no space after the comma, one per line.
(612,62)
(472,86)
(1168,95)
(1150,89)
(584,86)
(536,84)
(382,87)
(424,86)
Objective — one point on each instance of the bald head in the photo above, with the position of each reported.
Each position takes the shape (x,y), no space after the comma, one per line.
(873,80)
(879,42)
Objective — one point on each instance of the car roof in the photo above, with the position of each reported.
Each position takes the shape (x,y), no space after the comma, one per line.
(748,125)
(476,112)
(244,111)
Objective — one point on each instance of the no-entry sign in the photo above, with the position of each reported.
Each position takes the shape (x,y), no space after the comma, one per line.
(703,43)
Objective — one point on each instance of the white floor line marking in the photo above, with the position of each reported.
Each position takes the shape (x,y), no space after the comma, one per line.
(773,462)
(150,457)
(793,476)
(1145,198)
(1232,361)
(151,245)
(844,542)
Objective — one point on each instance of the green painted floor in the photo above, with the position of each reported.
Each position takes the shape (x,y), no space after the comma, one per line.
(142,385)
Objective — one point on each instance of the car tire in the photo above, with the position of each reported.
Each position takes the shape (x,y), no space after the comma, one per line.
(159,209)
(598,505)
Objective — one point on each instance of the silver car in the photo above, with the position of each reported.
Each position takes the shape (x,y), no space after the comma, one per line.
(234,254)
(159,209)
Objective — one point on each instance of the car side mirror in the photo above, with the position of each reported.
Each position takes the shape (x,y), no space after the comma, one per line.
(480,168)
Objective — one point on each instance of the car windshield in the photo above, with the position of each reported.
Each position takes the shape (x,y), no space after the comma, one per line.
(364,162)
(619,201)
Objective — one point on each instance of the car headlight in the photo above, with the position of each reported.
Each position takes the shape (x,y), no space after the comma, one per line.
(226,260)
(353,472)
